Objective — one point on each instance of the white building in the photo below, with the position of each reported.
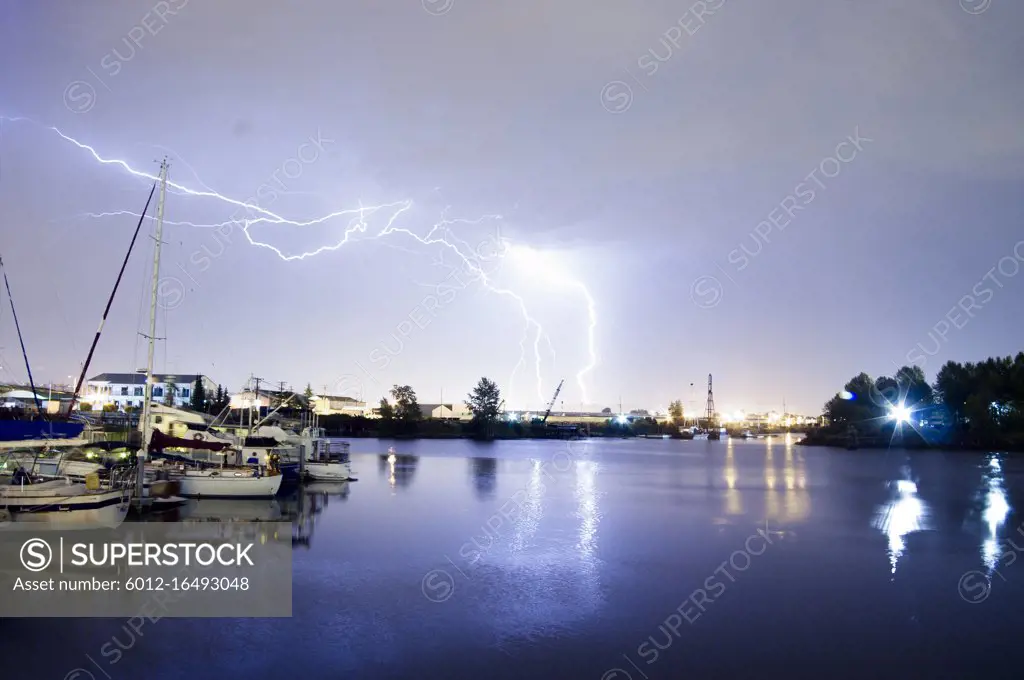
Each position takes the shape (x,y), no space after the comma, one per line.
(457,411)
(328,405)
(128,389)
(247,399)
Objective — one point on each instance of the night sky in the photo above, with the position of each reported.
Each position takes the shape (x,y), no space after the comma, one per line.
(782,194)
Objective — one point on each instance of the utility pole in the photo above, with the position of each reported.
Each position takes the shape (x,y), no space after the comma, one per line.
(256,401)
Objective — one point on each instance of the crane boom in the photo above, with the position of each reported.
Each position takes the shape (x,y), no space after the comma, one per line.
(551,404)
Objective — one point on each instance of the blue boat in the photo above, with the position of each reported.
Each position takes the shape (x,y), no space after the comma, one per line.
(22,430)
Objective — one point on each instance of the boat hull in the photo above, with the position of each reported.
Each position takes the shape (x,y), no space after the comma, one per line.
(100,510)
(227,485)
(20,430)
(328,472)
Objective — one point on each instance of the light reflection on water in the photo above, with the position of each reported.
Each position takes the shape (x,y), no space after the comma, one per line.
(996,510)
(904,514)
(591,559)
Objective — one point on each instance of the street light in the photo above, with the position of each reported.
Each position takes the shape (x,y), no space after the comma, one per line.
(901,414)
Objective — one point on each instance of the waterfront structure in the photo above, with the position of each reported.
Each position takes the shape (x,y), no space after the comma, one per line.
(128,389)
(248,399)
(327,405)
(446,411)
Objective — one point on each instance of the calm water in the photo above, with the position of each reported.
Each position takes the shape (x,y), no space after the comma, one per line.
(611,560)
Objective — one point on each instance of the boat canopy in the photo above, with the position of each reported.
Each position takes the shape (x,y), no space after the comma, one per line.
(160,441)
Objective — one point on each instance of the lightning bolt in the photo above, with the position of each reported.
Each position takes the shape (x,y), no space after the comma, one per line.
(440,234)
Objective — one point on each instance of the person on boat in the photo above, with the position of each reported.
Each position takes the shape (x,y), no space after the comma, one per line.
(20,477)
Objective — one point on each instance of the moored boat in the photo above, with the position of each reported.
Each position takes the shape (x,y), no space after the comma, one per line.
(66,505)
(227,483)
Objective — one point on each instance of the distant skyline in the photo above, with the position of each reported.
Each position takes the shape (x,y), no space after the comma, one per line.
(781,195)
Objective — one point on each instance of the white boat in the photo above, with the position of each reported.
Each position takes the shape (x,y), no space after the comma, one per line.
(329,472)
(50,467)
(63,505)
(227,482)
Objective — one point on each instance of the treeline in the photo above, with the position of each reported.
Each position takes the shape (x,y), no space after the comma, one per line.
(401,416)
(970,405)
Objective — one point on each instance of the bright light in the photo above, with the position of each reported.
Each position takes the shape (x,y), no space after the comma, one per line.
(845,394)
(901,414)
(622,420)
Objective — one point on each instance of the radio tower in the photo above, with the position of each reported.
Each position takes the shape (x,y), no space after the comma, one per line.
(713,432)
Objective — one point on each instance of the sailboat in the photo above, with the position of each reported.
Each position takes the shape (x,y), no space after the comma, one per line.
(231,479)
(63,504)
(25,429)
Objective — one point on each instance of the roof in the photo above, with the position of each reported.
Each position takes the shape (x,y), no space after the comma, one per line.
(140,378)
(332,398)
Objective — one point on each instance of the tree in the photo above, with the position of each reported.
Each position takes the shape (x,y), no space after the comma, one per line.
(857,403)
(308,393)
(406,406)
(171,393)
(483,403)
(386,412)
(675,410)
(606,409)
(220,401)
(198,395)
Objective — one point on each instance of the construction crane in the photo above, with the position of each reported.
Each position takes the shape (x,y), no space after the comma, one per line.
(551,404)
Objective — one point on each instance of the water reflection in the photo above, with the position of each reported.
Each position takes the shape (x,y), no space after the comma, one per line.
(903,514)
(531,509)
(308,505)
(733,505)
(586,509)
(588,514)
(485,477)
(399,468)
(996,509)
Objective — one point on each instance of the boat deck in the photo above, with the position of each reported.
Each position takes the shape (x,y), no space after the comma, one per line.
(54,489)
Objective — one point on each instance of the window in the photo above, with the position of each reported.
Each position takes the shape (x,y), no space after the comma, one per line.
(124,391)
(184,394)
(139,392)
(158,391)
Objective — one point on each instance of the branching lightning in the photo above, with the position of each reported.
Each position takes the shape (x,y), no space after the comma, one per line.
(472,260)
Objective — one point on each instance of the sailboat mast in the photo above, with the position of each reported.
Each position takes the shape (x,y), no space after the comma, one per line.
(17,326)
(144,423)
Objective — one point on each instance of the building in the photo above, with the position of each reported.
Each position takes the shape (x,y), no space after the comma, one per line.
(446,411)
(328,405)
(128,389)
(248,399)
